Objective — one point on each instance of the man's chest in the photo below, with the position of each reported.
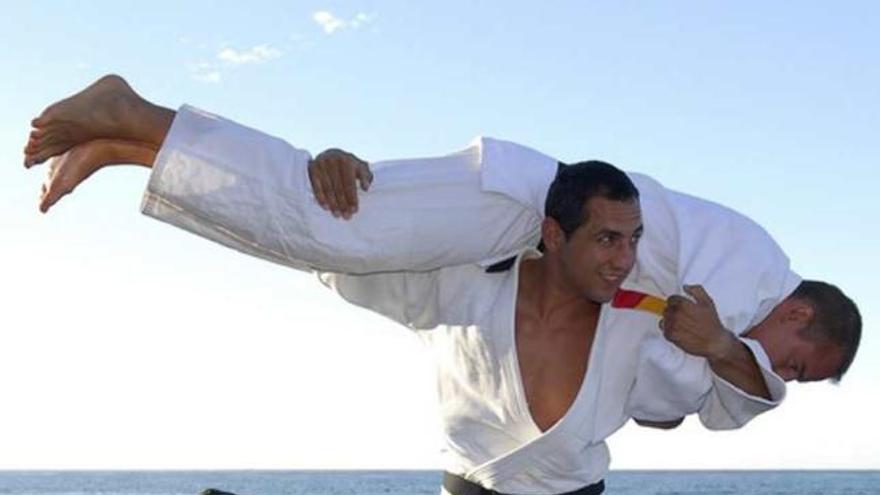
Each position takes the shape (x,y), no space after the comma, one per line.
(553,359)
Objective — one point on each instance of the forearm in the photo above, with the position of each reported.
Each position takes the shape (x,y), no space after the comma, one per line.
(734,362)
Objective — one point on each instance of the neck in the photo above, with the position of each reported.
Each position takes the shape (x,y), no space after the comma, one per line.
(761,331)
(545,292)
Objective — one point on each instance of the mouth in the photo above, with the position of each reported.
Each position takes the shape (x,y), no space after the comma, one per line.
(613,279)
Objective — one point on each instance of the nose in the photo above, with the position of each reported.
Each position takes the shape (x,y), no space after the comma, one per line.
(624,257)
(787,373)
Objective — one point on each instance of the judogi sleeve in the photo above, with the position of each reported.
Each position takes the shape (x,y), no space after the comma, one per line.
(692,241)
(671,384)
(418,300)
(409,298)
(251,192)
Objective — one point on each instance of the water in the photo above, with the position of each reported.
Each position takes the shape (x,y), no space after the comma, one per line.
(421,482)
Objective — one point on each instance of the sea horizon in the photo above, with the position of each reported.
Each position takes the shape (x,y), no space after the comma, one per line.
(420,482)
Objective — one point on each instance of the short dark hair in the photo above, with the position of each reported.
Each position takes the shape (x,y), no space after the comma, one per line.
(836,319)
(576,184)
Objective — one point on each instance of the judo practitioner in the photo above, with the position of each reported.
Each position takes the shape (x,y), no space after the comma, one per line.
(528,392)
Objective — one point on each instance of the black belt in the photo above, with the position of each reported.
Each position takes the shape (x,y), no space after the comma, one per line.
(456,485)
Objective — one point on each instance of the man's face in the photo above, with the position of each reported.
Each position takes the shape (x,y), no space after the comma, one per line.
(599,255)
(804,359)
(795,354)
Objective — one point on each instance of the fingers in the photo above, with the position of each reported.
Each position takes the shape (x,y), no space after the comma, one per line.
(338,186)
(316,177)
(322,185)
(673,314)
(335,175)
(699,294)
(675,303)
(364,176)
(346,175)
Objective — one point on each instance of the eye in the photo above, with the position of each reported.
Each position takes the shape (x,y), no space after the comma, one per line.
(800,373)
(605,239)
(635,239)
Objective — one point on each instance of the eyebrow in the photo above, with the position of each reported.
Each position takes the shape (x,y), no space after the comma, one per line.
(604,231)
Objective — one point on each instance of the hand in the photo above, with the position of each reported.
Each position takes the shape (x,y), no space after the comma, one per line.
(694,326)
(334,174)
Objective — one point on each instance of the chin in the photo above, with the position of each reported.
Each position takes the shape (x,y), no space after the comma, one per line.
(603,294)
(600,297)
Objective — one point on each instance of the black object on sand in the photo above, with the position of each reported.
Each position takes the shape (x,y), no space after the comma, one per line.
(214,491)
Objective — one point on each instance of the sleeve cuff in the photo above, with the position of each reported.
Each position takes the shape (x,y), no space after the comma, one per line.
(775,384)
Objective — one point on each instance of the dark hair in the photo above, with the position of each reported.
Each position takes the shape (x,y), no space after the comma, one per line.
(836,319)
(576,184)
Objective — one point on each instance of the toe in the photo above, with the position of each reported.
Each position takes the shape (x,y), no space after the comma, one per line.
(45,153)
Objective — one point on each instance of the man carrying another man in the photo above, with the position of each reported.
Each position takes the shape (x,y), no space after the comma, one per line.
(535,369)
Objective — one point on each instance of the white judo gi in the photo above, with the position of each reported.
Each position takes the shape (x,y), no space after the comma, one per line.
(250,191)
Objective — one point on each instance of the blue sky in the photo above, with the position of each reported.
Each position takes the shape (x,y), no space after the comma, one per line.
(117,331)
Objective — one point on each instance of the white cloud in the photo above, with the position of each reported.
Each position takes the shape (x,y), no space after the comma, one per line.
(362,19)
(229,58)
(330,23)
(257,54)
(207,72)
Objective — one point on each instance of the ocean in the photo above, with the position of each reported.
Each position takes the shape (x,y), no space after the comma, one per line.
(421,482)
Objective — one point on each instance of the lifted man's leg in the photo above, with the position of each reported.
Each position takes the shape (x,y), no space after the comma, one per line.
(108,109)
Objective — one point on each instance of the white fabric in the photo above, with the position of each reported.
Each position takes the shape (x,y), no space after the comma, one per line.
(490,435)
(250,191)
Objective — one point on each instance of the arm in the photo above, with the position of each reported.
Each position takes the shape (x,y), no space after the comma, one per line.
(671,383)
(420,300)
(694,327)
(409,298)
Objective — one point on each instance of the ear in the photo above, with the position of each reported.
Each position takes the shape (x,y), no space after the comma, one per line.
(799,312)
(552,235)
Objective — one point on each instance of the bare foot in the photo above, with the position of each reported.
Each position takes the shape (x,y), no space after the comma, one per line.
(108,109)
(72,168)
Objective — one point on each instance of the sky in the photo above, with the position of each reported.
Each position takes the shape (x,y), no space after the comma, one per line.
(126,343)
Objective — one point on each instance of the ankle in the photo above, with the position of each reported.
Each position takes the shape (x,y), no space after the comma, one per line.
(156,122)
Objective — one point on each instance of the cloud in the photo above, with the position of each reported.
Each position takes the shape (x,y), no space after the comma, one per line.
(205,72)
(362,19)
(257,54)
(229,58)
(330,23)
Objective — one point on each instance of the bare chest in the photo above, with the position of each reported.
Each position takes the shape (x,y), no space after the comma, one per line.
(553,361)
